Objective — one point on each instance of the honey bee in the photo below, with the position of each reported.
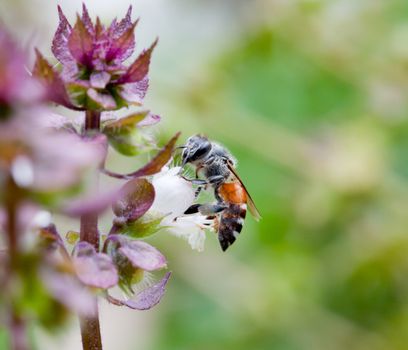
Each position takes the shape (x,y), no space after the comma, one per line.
(216,166)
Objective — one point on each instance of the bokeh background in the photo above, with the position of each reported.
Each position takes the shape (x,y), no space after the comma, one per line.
(312,98)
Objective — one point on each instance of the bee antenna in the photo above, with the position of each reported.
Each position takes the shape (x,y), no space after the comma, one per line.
(177,148)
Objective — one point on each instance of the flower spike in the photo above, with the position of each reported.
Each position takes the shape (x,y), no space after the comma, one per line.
(92,58)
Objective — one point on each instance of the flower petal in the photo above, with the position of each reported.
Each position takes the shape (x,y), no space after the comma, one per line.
(192,229)
(173,194)
(99,80)
(94,269)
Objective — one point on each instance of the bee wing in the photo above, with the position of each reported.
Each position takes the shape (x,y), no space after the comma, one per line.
(251,205)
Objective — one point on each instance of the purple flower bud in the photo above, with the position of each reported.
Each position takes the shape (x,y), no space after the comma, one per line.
(132,258)
(92,58)
(137,196)
(94,269)
(142,255)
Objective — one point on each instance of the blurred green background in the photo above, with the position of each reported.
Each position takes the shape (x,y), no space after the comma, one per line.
(311,96)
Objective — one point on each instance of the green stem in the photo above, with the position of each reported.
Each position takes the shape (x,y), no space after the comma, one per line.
(90,328)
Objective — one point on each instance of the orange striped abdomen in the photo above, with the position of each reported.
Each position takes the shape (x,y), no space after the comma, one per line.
(232,192)
(231,218)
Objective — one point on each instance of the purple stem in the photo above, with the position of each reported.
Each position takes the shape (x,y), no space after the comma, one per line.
(19,334)
(90,329)
(18,330)
(115,175)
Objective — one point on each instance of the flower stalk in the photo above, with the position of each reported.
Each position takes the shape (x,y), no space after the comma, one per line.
(90,328)
(43,160)
(18,330)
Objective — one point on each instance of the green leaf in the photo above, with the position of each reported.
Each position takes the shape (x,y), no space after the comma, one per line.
(124,135)
(145,226)
(78,93)
(128,274)
(126,124)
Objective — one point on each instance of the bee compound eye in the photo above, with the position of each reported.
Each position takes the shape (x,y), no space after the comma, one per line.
(200,151)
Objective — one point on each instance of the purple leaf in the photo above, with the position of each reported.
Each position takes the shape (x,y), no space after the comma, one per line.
(96,203)
(69,291)
(60,42)
(161,159)
(51,234)
(86,19)
(59,122)
(80,43)
(122,47)
(137,196)
(94,269)
(54,85)
(145,299)
(118,29)
(142,254)
(151,119)
(99,80)
(134,93)
(138,70)
(149,297)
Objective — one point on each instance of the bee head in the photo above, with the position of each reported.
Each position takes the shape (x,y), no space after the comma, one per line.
(196,148)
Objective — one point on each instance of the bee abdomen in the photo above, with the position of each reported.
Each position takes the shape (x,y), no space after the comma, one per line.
(230,226)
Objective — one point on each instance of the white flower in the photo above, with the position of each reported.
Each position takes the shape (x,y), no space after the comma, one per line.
(173,196)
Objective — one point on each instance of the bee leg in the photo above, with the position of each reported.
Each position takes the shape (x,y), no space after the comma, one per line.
(213,180)
(217,194)
(205,209)
(211,209)
(198,191)
(199,182)
(216,179)
(192,209)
